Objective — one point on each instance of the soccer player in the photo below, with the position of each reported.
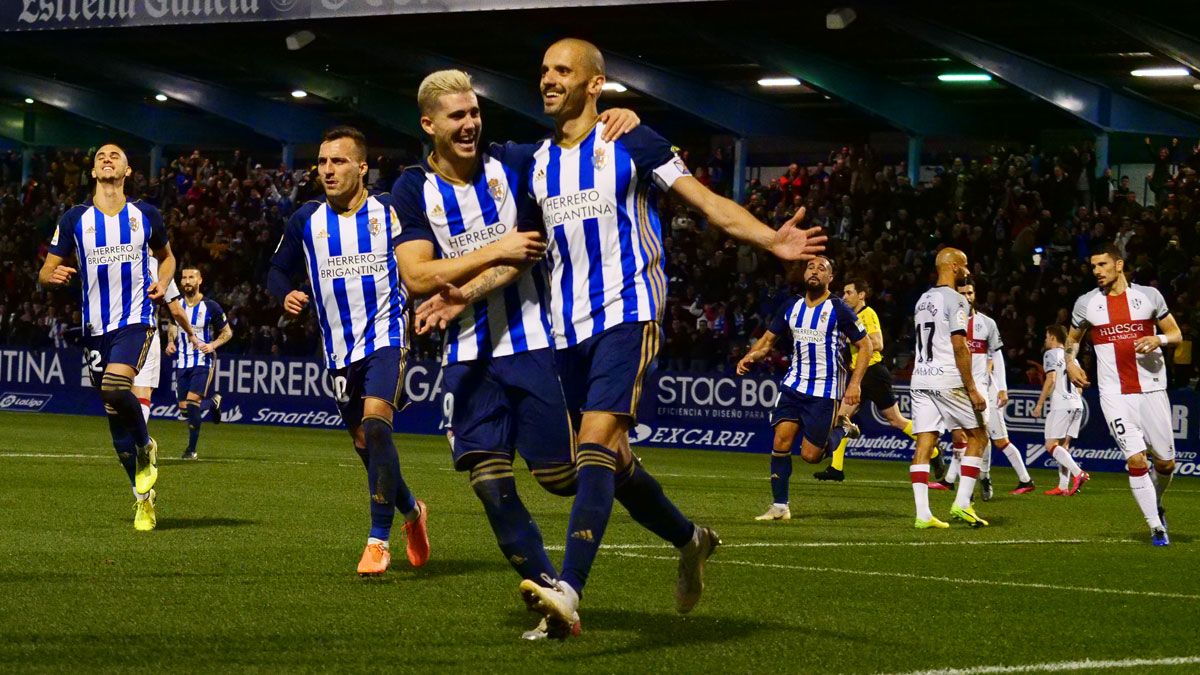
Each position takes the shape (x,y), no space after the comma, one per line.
(148,377)
(347,244)
(943,389)
(1121,318)
(987,363)
(113,240)
(608,284)
(819,326)
(876,386)
(196,364)
(468,221)
(1063,415)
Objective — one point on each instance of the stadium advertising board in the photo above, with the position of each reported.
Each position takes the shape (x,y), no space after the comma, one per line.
(57,14)
(688,410)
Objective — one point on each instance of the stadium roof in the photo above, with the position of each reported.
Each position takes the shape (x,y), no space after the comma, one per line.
(691,67)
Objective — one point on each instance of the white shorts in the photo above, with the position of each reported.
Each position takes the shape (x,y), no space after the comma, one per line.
(149,374)
(996,427)
(937,409)
(1063,423)
(1140,422)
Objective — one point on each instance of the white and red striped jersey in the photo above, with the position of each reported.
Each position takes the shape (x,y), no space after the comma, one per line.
(983,339)
(1116,322)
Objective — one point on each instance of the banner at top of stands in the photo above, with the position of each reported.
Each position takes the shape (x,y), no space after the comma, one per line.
(58,14)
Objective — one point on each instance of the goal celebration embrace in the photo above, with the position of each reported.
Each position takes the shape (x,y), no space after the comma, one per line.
(577,305)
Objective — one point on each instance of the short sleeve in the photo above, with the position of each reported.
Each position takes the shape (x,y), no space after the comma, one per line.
(157,230)
(408,194)
(1158,303)
(848,322)
(216,316)
(995,342)
(62,244)
(173,293)
(779,323)
(653,156)
(957,312)
(1048,361)
(870,321)
(1079,313)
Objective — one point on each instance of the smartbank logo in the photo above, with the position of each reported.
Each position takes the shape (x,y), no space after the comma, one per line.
(690,437)
(24,402)
(1018,414)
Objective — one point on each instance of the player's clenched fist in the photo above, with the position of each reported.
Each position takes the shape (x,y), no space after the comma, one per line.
(61,275)
(516,248)
(295,302)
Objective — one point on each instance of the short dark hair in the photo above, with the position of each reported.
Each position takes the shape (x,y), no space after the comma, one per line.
(827,259)
(1107,248)
(859,285)
(111,142)
(968,281)
(360,141)
(1058,332)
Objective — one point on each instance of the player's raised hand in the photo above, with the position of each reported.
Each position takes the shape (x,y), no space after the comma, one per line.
(617,123)
(295,302)
(439,310)
(978,402)
(61,275)
(793,243)
(518,248)
(1077,376)
(853,394)
(1147,344)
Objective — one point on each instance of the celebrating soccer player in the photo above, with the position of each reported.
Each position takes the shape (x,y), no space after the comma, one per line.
(347,244)
(196,363)
(113,240)
(943,389)
(608,284)
(819,325)
(1121,318)
(1064,414)
(470,223)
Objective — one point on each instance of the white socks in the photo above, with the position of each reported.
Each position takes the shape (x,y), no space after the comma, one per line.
(1144,495)
(919,474)
(1018,462)
(1063,458)
(966,483)
(1064,478)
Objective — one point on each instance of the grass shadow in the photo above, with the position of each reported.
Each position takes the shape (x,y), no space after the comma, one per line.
(186,523)
(453,567)
(1143,537)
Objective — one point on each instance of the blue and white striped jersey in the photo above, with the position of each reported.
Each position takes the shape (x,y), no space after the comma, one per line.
(207,319)
(350,259)
(819,335)
(114,262)
(458,218)
(599,205)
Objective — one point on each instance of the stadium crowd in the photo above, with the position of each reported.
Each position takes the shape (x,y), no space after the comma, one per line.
(1025,217)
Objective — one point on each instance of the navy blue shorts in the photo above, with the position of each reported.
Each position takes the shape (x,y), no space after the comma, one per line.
(508,403)
(814,414)
(379,375)
(195,380)
(128,345)
(605,372)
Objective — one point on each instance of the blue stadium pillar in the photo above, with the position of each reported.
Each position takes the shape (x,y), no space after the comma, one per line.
(289,156)
(915,143)
(26,164)
(739,170)
(156,160)
(1101,152)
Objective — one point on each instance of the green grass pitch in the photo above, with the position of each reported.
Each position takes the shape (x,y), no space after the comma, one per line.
(252,567)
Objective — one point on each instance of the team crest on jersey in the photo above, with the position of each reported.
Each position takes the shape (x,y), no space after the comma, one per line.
(134,224)
(1137,303)
(376,226)
(496,189)
(437,211)
(599,159)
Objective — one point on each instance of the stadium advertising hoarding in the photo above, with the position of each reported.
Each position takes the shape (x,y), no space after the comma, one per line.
(58,14)
(710,412)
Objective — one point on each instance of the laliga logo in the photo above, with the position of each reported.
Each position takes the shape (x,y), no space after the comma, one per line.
(28,402)
(233,415)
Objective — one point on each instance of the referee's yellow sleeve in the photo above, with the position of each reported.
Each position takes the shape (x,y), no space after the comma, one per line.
(870,321)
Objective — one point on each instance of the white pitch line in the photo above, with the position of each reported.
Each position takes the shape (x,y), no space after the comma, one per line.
(1063,666)
(910,576)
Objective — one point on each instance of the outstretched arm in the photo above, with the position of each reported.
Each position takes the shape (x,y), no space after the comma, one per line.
(789,242)
(422,271)
(760,349)
(450,301)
